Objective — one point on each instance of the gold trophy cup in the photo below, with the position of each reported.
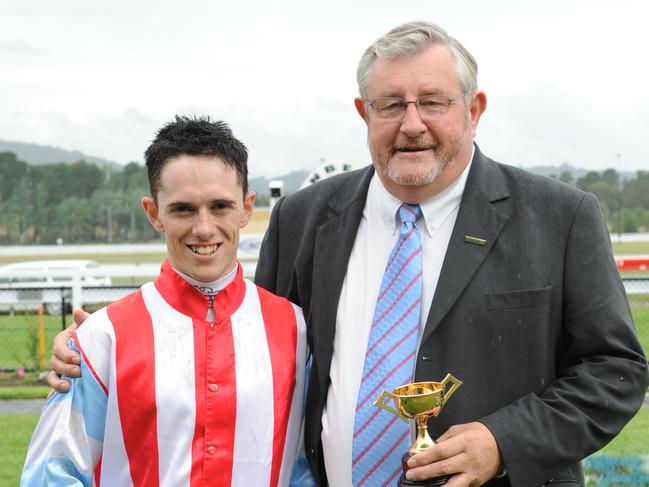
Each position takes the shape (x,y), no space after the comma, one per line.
(419,401)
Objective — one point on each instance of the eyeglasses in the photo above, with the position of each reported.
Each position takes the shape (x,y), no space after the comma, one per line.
(392,108)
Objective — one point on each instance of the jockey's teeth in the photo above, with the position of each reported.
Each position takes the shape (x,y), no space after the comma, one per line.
(204,249)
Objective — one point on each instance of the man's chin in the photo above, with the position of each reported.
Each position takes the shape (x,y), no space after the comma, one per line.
(408,177)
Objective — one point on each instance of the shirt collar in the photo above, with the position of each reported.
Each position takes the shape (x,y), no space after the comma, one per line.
(188,300)
(210,288)
(434,210)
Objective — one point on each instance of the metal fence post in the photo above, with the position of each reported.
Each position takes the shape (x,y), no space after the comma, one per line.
(63,303)
(76,291)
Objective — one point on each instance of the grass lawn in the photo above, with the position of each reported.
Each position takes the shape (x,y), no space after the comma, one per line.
(641,318)
(19,346)
(633,440)
(22,392)
(16,431)
(625,460)
(629,248)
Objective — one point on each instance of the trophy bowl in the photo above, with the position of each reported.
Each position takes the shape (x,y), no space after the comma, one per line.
(420,398)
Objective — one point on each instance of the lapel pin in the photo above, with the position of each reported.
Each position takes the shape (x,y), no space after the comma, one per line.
(475,240)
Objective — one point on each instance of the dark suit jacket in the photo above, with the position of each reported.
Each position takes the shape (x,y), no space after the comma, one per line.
(535,321)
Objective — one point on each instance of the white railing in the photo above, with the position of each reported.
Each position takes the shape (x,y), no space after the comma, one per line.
(15,296)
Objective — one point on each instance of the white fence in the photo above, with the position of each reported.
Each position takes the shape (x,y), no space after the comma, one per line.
(26,296)
(636,285)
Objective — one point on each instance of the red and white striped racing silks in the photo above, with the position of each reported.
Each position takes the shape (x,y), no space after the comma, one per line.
(187,402)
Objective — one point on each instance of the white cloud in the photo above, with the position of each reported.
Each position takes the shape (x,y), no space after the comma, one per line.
(565,79)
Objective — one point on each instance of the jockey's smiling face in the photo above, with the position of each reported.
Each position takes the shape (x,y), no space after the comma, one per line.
(200,209)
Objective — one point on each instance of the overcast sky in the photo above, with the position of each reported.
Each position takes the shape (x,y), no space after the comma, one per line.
(566,81)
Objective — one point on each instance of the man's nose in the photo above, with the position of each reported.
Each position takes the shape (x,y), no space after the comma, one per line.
(203,225)
(411,123)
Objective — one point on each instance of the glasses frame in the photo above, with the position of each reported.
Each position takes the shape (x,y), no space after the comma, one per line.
(414,102)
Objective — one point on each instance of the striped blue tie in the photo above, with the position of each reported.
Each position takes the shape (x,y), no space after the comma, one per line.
(381,438)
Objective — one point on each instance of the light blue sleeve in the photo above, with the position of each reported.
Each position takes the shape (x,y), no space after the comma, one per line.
(68,439)
(301,475)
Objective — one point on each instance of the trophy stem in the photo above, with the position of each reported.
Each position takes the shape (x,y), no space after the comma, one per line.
(423,440)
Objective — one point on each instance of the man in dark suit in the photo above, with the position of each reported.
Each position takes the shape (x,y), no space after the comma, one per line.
(521,297)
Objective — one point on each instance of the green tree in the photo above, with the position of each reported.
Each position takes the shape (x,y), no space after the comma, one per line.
(586,181)
(53,182)
(566,177)
(633,220)
(135,177)
(608,194)
(636,191)
(75,220)
(86,178)
(12,172)
(611,177)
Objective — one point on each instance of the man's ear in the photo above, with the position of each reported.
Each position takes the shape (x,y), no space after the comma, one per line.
(248,207)
(360,108)
(151,210)
(477,108)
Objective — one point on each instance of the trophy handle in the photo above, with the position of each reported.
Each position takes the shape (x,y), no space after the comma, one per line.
(379,402)
(455,383)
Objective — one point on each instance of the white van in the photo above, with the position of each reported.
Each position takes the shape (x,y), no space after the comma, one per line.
(27,285)
(50,273)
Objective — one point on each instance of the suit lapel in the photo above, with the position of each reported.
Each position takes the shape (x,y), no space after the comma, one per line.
(478,217)
(333,245)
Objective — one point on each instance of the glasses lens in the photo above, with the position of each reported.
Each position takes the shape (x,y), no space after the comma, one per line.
(433,103)
(389,107)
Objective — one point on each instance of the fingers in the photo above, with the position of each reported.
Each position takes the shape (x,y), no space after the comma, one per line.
(57,384)
(444,458)
(65,361)
(79,316)
(460,480)
(469,452)
(62,353)
(450,433)
(440,451)
(67,368)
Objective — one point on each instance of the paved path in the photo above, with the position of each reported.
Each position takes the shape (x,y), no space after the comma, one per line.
(21,406)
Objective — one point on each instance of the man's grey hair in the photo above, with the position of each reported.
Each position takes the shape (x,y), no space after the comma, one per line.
(411,39)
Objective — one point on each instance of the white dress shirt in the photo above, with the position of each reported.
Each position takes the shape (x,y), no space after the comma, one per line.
(377,233)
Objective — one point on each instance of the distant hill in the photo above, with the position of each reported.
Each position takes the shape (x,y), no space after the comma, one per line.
(557,170)
(576,172)
(292,182)
(35,155)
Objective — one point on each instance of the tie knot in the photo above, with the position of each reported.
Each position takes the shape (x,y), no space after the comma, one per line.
(409,213)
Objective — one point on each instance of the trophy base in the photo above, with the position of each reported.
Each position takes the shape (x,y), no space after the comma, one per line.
(404,482)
